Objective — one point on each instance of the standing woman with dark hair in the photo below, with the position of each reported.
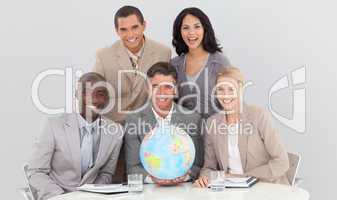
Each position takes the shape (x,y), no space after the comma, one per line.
(199,60)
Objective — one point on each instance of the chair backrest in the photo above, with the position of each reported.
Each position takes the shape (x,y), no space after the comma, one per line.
(25,193)
(294,162)
(31,189)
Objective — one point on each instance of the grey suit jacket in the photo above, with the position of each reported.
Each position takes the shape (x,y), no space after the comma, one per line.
(129,92)
(55,165)
(206,82)
(146,121)
(262,152)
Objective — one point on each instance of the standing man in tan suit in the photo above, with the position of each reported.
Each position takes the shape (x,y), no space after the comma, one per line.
(124,65)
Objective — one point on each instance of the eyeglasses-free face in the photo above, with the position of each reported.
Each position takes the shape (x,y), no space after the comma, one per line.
(192,31)
(131,32)
(228,93)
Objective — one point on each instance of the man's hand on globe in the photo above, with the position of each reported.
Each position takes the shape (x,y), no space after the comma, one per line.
(166,182)
(163,181)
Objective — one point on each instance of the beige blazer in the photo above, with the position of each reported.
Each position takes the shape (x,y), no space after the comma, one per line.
(55,165)
(132,93)
(262,153)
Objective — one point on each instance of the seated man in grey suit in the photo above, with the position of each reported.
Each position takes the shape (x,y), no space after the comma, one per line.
(77,148)
(162,89)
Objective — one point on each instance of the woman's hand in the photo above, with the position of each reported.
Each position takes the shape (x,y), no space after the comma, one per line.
(201,182)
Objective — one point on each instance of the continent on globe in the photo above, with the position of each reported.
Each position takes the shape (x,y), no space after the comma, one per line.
(167,152)
(153,161)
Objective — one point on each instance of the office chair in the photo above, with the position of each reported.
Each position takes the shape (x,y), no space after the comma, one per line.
(294,162)
(29,192)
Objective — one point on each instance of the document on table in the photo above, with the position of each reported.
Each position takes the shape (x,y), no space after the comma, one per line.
(244,182)
(104,188)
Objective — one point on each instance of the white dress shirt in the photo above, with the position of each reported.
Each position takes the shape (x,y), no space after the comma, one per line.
(89,127)
(163,121)
(234,158)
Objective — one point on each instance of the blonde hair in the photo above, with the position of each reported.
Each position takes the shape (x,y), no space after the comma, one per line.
(231,72)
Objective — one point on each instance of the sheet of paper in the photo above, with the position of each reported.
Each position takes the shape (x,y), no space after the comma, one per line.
(111,188)
(238,180)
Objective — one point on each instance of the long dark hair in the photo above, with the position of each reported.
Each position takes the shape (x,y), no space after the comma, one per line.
(209,41)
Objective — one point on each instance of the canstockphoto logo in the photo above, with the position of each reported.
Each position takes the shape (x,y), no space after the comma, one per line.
(296,84)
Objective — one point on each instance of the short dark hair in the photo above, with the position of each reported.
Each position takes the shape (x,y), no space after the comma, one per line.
(209,41)
(126,11)
(92,77)
(163,68)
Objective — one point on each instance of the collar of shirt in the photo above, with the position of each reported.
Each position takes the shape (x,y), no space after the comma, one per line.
(84,123)
(167,119)
(137,55)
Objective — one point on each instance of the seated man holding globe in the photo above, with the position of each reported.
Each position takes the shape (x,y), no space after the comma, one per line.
(163,141)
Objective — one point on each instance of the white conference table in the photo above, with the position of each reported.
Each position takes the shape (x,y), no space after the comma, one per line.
(260,191)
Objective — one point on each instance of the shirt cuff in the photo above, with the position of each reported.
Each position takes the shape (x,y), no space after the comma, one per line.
(148,179)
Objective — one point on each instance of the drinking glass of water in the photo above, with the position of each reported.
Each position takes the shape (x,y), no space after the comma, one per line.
(135,183)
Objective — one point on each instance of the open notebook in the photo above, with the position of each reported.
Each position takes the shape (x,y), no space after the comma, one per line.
(104,188)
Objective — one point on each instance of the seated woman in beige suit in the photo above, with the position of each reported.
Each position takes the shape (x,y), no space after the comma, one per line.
(240,140)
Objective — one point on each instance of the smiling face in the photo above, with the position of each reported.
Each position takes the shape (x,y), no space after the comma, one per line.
(94,97)
(192,32)
(131,32)
(228,94)
(163,91)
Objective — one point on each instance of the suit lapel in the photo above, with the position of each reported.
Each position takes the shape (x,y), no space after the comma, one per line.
(123,60)
(73,139)
(222,139)
(183,76)
(221,142)
(149,121)
(105,141)
(243,140)
(146,60)
(176,115)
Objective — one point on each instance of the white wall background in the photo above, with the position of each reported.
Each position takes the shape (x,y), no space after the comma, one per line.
(265,38)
